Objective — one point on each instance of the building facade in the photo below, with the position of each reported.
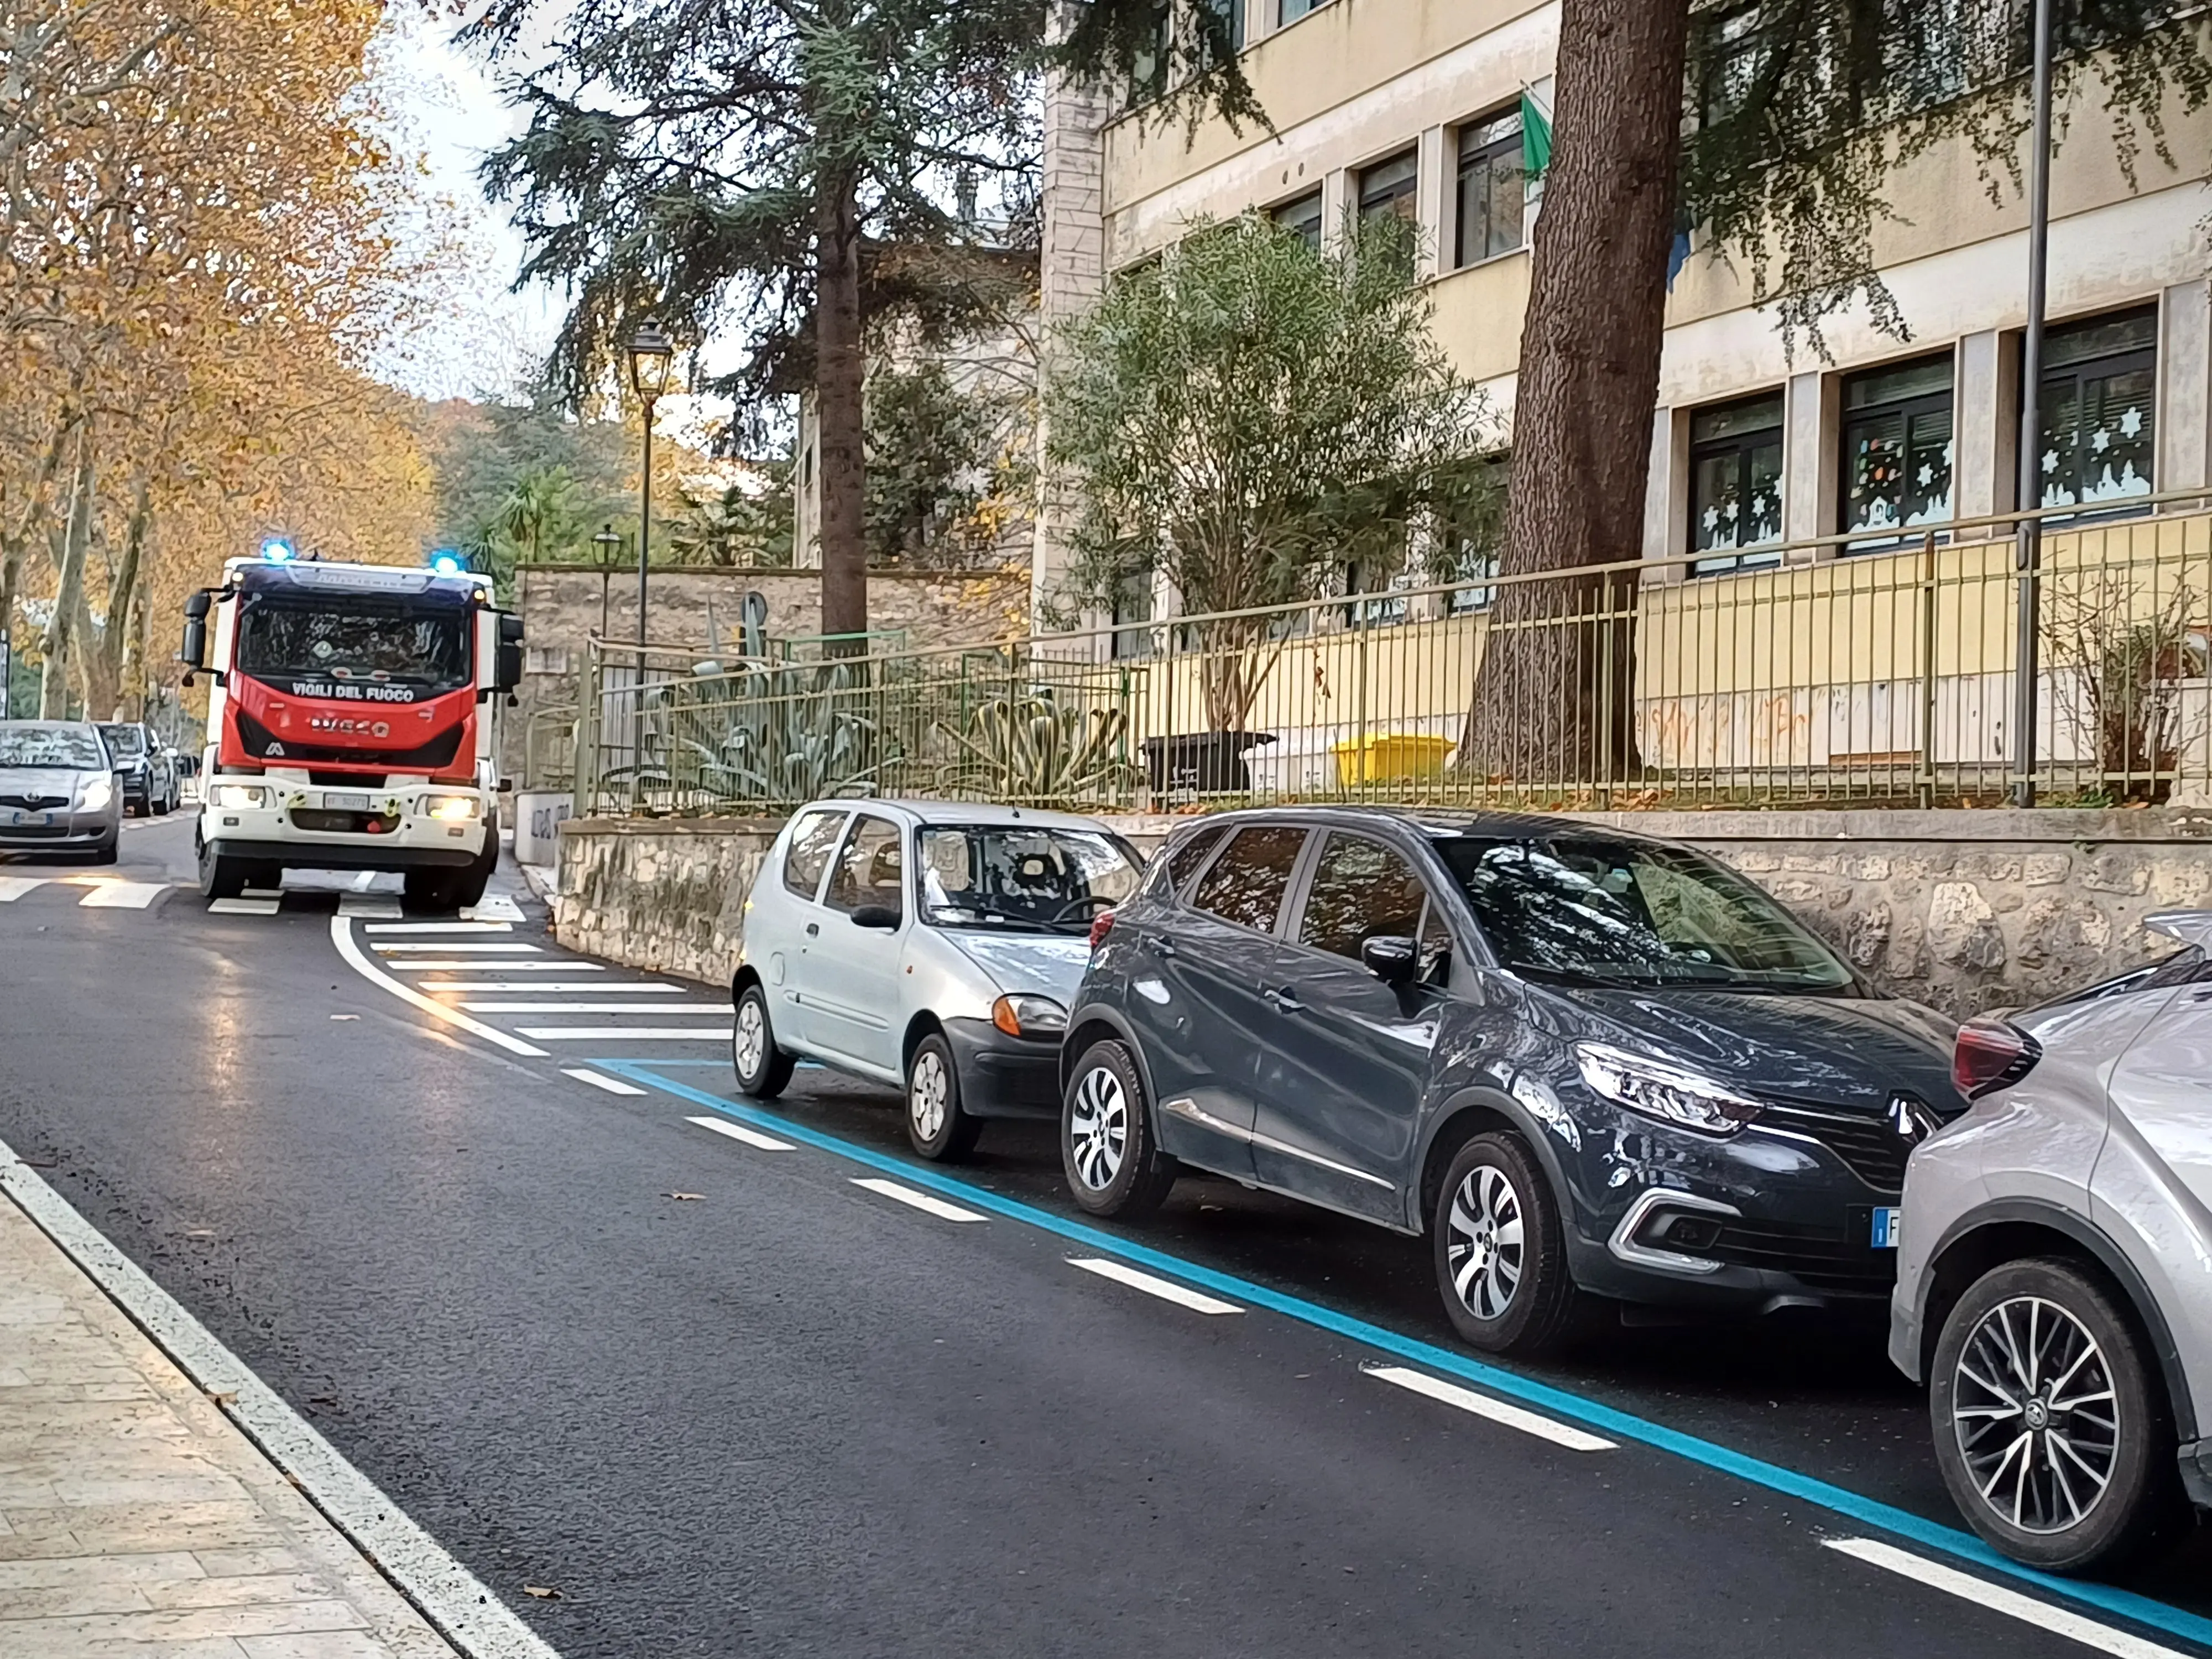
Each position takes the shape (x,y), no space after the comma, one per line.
(1416,107)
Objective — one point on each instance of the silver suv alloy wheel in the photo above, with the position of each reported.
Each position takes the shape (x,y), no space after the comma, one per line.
(1483,1242)
(925,1092)
(2036,1414)
(1098,1127)
(748,1040)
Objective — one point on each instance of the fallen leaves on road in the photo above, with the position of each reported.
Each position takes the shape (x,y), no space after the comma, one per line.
(544,1592)
(685,1197)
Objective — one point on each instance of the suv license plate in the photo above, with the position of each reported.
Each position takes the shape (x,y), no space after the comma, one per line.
(1889,1228)
(345,803)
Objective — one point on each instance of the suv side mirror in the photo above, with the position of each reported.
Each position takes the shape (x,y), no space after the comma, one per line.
(1390,958)
(509,669)
(880,916)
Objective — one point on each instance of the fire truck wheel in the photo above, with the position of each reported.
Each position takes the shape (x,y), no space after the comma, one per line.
(220,877)
(432,889)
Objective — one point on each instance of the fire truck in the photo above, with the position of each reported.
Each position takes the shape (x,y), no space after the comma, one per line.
(350,726)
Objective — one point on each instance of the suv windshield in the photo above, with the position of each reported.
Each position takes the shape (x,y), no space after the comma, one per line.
(63,748)
(124,742)
(1593,910)
(385,650)
(1006,875)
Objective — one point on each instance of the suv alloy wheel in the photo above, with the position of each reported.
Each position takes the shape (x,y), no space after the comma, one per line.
(763,1069)
(938,1128)
(1501,1257)
(1114,1165)
(2052,1427)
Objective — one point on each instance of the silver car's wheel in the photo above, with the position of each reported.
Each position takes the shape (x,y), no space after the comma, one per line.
(1483,1241)
(762,1068)
(926,1090)
(1098,1127)
(2036,1414)
(748,1040)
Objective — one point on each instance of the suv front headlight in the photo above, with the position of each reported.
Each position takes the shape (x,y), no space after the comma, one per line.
(97,794)
(1669,1093)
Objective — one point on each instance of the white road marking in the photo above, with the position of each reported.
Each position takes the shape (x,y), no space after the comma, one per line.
(122,895)
(592,1008)
(364,881)
(618,1033)
(367,909)
(263,893)
(922,1201)
(442,927)
(455,945)
(539,988)
(459,1604)
(495,907)
(441,965)
(370,969)
(2060,1621)
(244,907)
(600,1081)
(14,887)
(1166,1289)
(753,1138)
(1482,1404)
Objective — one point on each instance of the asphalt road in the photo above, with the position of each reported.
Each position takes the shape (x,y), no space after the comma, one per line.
(789,1415)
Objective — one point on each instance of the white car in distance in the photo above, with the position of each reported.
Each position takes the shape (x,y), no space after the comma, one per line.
(932,945)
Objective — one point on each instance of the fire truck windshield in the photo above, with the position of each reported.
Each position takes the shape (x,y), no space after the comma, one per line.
(371,649)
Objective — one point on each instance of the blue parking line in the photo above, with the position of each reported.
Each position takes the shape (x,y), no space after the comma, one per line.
(1559,1402)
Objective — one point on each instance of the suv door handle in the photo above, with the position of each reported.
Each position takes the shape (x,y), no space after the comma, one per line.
(1286,999)
(1160,946)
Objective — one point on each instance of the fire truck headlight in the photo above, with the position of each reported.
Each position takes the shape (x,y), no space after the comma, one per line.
(452,808)
(231,796)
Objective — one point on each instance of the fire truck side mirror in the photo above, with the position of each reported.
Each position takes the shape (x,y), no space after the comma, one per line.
(509,667)
(193,652)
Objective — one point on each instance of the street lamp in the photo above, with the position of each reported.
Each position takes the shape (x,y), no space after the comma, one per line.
(650,354)
(2027,549)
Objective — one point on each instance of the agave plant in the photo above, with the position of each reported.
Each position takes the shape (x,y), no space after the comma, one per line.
(778,736)
(1031,749)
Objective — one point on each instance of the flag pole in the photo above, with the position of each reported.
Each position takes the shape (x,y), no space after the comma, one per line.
(2027,533)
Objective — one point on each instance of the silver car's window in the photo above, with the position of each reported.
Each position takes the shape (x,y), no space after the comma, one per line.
(1246,884)
(124,740)
(1592,910)
(813,838)
(61,747)
(1361,890)
(1000,876)
(871,870)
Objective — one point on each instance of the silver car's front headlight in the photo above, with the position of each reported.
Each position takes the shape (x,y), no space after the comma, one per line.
(97,794)
(1671,1093)
(1029,1016)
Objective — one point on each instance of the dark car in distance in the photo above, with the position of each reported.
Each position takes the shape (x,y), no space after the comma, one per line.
(1590,1065)
(145,767)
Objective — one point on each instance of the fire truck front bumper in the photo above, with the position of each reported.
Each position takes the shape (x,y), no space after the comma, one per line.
(423,826)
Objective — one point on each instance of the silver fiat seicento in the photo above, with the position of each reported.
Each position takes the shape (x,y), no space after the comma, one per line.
(2051,1283)
(932,945)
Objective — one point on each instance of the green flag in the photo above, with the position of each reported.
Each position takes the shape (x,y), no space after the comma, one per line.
(1535,136)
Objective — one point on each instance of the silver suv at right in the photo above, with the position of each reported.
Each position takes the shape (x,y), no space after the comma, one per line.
(2055,1276)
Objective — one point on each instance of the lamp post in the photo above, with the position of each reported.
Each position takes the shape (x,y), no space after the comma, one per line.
(650,354)
(2027,533)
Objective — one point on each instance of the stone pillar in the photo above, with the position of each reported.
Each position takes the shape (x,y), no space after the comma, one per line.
(1433,199)
(1982,481)
(1808,456)
(1666,494)
(1071,276)
(2184,388)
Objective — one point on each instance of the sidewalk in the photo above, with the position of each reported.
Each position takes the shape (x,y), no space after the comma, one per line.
(136,1520)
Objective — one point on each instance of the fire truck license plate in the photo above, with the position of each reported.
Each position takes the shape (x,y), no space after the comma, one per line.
(346,803)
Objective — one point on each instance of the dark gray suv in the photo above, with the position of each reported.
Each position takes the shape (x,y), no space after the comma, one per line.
(1590,1065)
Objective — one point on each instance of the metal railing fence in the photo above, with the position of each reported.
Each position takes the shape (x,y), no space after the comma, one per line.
(1834,673)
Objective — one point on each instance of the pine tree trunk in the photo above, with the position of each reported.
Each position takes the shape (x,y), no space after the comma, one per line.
(1554,701)
(29,523)
(69,592)
(108,660)
(840,369)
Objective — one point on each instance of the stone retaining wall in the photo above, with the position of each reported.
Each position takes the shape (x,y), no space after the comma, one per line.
(1965,911)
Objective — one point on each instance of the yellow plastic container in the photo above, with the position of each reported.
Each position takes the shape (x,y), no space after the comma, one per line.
(1389,755)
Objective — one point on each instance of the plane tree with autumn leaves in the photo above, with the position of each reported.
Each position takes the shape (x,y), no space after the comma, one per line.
(197,259)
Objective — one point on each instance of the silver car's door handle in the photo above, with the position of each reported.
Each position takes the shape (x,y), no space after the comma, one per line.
(813,930)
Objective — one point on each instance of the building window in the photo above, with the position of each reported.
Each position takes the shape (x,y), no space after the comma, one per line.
(2100,384)
(1735,483)
(1390,583)
(1220,26)
(1133,611)
(1148,74)
(1302,215)
(1492,193)
(1294,9)
(1735,57)
(1387,188)
(1896,469)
